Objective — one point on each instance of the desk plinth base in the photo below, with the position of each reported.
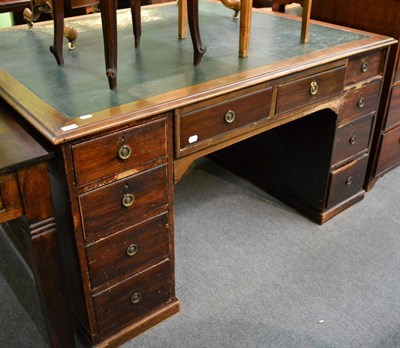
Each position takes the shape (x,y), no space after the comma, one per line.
(134,329)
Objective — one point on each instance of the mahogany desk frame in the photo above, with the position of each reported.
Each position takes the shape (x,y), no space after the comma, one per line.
(345,79)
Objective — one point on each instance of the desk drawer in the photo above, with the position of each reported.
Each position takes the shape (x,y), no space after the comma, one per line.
(311,89)
(121,253)
(347,181)
(124,203)
(224,114)
(393,116)
(360,101)
(390,151)
(98,158)
(352,138)
(120,305)
(365,66)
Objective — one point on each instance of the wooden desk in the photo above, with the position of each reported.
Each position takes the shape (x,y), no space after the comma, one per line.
(294,118)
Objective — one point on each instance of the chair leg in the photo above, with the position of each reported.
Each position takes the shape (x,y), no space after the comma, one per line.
(58,19)
(305,20)
(109,23)
(136,21)
(245,25)
(182,19)
(193,17)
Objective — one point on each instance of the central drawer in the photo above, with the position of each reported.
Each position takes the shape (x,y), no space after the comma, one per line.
(299,93)
(124,203)
(211,120)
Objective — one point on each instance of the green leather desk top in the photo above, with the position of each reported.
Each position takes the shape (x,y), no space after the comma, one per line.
(163,63)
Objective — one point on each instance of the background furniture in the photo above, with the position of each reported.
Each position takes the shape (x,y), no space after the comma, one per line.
(279,5)
(117,154)
(381,17)
(26,204)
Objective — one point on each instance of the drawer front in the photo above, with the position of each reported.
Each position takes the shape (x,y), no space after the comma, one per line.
(144,244)
(119,306)
(360,101)
(217,119)
(124,203)
(347,181)
(310,89)
(390,151)
(115,153)
(365,66)
(352,138)
(393,116)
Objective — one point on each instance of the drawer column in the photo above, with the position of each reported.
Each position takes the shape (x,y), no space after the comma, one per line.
(121,191)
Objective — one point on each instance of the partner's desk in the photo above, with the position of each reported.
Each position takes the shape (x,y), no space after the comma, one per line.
(294,118)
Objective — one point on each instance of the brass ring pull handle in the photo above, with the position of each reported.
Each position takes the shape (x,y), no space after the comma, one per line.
(136,297)
(353,139)
(361,102)
(124,152)
(313,88)
(132,250)
(349,180)
(127,200)
(230,116)
(364,66)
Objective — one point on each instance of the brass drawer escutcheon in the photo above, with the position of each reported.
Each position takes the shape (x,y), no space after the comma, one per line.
(349,180)
(361,102)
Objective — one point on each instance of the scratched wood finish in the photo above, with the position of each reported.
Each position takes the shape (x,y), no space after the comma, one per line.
(381,17)
(98,158)
(102,209)
(358,71)
(360,101)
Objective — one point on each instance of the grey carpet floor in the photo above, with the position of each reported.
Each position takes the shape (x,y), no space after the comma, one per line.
(251,272)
